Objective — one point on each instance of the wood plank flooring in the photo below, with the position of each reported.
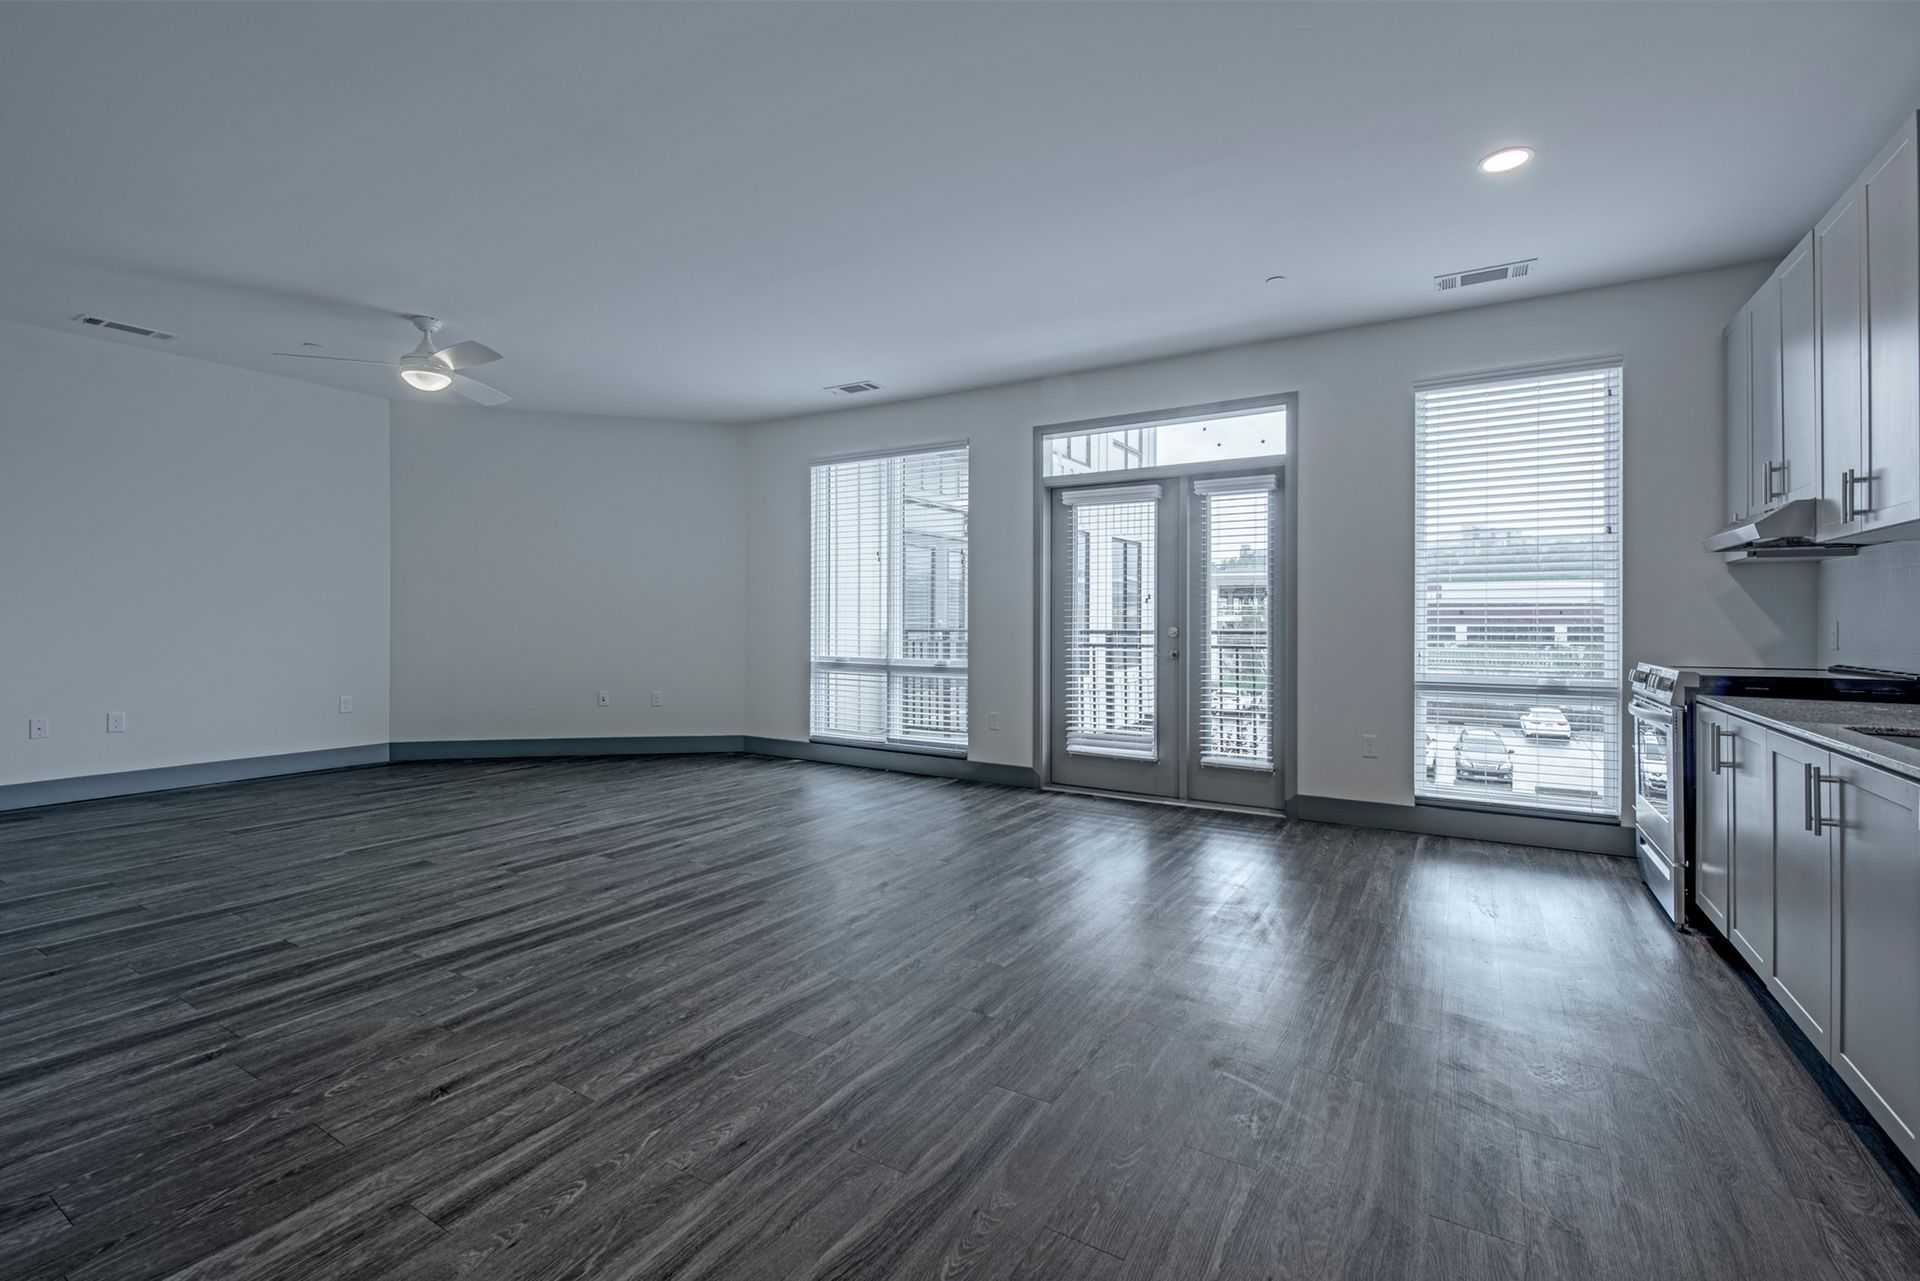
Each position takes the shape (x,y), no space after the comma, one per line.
(725,1018)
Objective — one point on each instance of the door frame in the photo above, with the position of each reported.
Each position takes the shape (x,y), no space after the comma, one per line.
(1286,531)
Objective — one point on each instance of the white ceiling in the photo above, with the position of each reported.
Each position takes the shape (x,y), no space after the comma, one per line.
(710,211)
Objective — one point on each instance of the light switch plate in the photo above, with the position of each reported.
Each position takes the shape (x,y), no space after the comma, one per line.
(116,722)
(346,703)
(656,698)
(36,727)
(606,698)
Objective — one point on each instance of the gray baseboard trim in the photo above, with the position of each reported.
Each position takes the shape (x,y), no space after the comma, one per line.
(166,778)
(1435,820)
(899,762)
(493,749)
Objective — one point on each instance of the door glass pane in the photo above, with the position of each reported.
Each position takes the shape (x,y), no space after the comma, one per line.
(1236,706)
(1110,669)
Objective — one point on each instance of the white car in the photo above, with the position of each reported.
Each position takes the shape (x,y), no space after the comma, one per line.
(1545,722)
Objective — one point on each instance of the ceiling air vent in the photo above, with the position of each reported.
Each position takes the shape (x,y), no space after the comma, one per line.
(852,389)
(122,327)
(1486,275)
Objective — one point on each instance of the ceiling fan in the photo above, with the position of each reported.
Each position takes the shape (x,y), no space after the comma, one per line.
(426,369)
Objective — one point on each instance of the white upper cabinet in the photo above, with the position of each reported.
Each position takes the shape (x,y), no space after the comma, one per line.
(1738,349)
(1840,267)
(1823,365)
(1890,496)
(1769,467)
(1798,475)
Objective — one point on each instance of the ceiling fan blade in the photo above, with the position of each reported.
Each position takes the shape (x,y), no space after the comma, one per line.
(352,360)
(478,392)
(465,355)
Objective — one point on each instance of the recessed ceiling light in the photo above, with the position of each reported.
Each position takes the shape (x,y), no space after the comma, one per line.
(1506,158)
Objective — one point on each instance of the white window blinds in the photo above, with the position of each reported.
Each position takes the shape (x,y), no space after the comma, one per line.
(1235,723)
(889,646)
(1111,671)
(1517,591)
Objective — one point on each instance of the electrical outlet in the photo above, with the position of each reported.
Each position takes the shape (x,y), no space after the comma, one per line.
(1370,746)
(656,698)
(346,703)
(36,727)
(116,722)
(993,720)
(606,698)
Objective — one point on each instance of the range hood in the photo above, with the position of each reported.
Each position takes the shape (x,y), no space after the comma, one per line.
(1784,533)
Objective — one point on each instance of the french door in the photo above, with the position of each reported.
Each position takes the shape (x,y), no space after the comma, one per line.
(1163,635)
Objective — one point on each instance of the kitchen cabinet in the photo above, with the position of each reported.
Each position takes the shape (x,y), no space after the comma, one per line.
(1876,1017)
(1840,266)
(1822,366)
(1733,868)
(1796,474)
(1867,263)
(1763,402)
(1772,401)
(1808,860)
(1891,494)
(1713,817)
(1737,343)
(1801,974)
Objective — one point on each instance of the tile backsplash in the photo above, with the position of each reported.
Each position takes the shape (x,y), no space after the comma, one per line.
(1873,600)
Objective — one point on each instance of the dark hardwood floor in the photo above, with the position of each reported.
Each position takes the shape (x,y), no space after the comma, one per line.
(731,1018)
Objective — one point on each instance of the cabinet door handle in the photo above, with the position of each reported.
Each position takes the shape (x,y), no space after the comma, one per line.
(1806,785)
(1846,496)
(1854,508)
(1779,469)
(1820,820)
(1719,736)
(1713,749)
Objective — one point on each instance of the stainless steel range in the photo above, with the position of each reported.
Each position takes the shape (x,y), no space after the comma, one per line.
(1661,703)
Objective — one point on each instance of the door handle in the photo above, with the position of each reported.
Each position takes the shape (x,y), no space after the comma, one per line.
(1774,469)
(1719,733)
(1806,784)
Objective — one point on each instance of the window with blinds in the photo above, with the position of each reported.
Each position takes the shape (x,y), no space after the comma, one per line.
(889,646)
(1517,591)
(1110,672)
(1235,721)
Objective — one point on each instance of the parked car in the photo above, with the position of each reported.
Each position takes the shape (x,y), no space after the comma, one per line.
(1481,753)
(1653,770)
(1546,722)
(1433,757)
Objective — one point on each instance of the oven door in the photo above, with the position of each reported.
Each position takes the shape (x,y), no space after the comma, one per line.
(1656,783)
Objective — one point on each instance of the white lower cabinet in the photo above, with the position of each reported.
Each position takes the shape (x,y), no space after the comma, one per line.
(1876,1016)
(1801,976)
(1809,862)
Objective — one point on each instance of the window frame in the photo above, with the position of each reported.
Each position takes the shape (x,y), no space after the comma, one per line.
(894,668)
(1602,693)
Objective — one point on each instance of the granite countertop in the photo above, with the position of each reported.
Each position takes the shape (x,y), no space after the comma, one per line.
(1832,725)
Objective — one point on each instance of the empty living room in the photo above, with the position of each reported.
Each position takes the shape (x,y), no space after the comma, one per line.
(517,762)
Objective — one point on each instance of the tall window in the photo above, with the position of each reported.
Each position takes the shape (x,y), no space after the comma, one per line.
(890,600)
(1517,591)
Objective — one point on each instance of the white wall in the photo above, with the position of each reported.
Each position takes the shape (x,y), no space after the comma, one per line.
(539,558)
(1354,486)
(200,547)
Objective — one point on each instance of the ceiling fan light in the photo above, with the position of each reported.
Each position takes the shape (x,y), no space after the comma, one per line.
(427,379)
